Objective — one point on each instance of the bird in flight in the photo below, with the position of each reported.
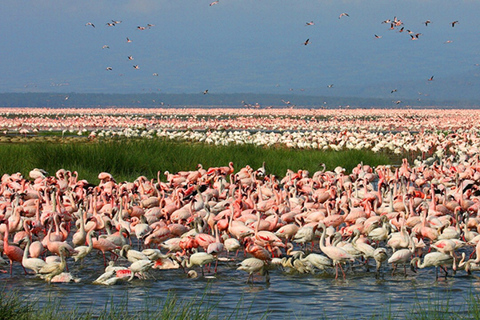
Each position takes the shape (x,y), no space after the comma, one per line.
(306,41)
(110,24)
(427,22)
(448,41)
(377,37)
(155,74)
(105,46)
(398,102)
(90,24)
(213,3)
(430,79)
(343,14)
(135,66)
(454,23)
(116,21)
(205,92)
(130,58)
(109,68)
(330,86)
(311,23)
(394,90)
(414,37)
(128,40)
(141,28)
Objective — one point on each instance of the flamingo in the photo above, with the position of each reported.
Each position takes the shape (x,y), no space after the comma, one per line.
(433,259)
(253,265)
(198,259)
(34,264)
(140,267)
(13,253)
(337,255)
(83,251)
(50,270)
(402,256)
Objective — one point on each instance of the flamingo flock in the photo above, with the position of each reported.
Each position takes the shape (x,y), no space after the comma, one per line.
(436,133)
(409,217)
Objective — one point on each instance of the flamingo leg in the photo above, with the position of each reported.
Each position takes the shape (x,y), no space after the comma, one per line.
(344,277)
(394,268)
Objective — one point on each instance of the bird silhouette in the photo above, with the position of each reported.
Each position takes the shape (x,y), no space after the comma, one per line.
(307,41)
(454,23)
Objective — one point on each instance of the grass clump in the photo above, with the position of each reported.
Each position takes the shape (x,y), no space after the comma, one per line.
(126,159)
(12,307)
(171,308)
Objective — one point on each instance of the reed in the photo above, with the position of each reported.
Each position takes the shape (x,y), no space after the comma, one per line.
(206,306)
(126,159)
(13,306)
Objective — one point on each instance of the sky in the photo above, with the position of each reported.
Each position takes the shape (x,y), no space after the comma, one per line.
(238,46)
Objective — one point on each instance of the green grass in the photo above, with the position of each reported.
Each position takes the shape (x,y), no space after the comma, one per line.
(126,159)
(171,308)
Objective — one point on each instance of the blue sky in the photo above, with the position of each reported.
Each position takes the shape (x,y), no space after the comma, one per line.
(233,46)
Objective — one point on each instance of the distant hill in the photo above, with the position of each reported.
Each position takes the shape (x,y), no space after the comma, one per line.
(240,100)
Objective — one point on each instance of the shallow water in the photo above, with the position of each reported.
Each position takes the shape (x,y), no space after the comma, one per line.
(286,296)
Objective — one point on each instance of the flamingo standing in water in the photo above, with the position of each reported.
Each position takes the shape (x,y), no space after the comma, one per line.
(198,259)
(253,265)
(34,264)
(336,254)
(50,270)
(13,253)
(434,259)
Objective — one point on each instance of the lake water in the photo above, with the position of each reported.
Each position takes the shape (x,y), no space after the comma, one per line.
(287,296)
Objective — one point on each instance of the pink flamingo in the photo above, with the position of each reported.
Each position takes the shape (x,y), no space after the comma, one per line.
(336,254)
(13,253)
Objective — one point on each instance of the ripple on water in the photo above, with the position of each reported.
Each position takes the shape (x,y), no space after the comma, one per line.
(301,296)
